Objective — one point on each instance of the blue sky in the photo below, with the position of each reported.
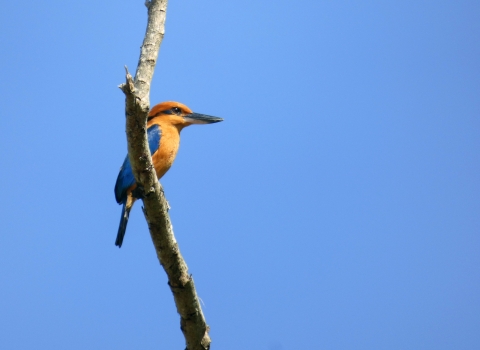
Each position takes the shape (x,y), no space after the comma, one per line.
(336,207)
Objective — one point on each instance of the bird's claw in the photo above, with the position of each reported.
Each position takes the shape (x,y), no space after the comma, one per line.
(138,192)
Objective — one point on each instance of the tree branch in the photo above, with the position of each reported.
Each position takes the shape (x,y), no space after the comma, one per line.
(137,105)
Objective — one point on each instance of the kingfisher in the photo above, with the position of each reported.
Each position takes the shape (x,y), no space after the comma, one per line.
(165,121)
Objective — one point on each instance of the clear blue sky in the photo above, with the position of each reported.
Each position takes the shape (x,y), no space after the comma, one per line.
(336,207)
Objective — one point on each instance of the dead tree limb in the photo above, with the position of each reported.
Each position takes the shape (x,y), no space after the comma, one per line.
(137,105)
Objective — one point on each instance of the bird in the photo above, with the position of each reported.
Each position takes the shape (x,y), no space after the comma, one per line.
(165,121)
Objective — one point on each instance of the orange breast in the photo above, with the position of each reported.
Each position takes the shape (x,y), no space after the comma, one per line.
(169,142)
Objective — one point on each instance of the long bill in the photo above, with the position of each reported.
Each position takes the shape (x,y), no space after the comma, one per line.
(197,118)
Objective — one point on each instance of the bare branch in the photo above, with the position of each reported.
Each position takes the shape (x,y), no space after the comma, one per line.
(137,105)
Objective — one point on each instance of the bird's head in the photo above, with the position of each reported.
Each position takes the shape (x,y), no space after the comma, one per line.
(179,115)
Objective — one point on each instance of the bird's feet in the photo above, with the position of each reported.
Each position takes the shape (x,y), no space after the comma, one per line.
(138,192)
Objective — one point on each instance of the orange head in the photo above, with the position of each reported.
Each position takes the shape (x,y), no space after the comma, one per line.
(179,115)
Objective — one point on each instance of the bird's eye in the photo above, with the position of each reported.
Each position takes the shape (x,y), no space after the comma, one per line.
(177,110)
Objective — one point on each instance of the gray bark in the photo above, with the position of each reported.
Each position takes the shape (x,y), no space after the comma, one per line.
(137,105)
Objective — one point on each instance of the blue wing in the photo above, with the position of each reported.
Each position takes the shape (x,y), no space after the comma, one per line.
(125,177)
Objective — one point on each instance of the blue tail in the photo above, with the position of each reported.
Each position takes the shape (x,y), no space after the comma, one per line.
(123,225)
